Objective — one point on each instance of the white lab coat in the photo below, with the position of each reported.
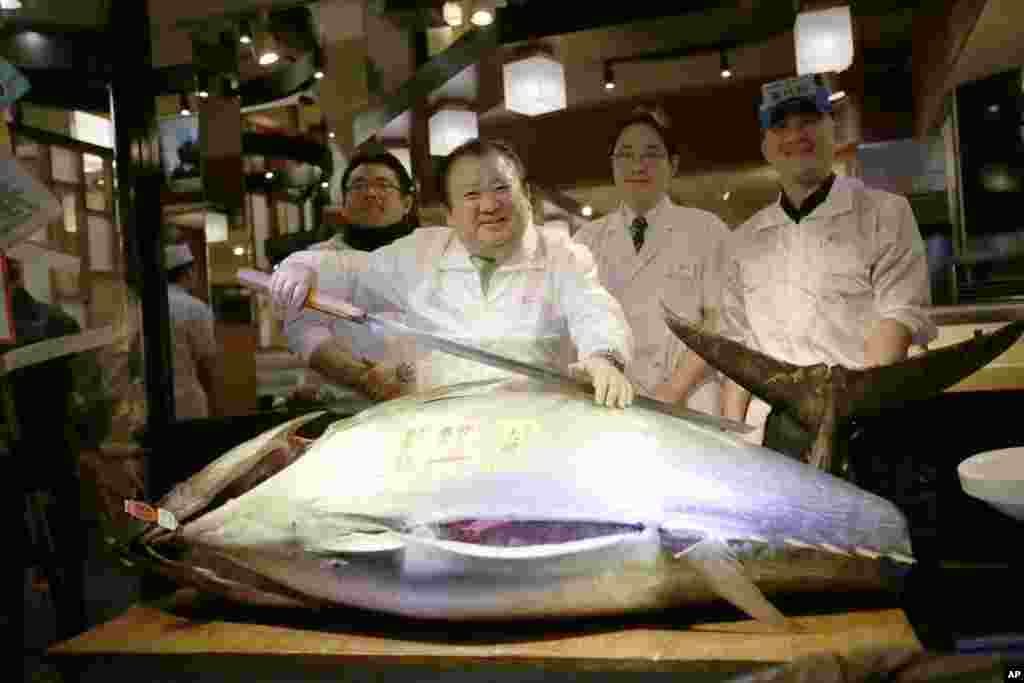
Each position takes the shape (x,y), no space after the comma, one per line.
(679,264)
(426,280)
(811,292)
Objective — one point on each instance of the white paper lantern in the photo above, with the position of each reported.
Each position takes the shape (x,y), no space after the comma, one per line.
(824,41)
(216,227)
(534,86)
(449,128)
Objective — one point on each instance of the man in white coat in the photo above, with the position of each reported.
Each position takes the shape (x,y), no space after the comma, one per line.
(833,272)
(493,280)
(651,250)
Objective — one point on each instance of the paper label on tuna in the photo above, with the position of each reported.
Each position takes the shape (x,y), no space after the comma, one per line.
(140,510)
(148,513)
(166,519)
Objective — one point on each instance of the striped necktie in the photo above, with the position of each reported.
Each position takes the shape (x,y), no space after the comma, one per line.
(637,228)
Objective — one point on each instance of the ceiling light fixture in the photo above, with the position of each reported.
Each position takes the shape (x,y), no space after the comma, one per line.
(724,63)
(535,85)
(609,77)
(824,41)
(452,12)
(244,32)
(266,45)
(482,17)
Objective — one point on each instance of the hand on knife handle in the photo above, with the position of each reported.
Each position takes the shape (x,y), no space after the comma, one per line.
(291,289)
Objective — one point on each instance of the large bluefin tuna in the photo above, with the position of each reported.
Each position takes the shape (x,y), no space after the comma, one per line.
(503,500)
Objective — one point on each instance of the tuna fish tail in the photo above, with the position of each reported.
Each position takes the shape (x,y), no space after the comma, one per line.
(823,397)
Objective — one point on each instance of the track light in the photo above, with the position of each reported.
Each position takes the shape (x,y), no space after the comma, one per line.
(726,69)
(183,107)
(609,77)
(202,86)
(244,32)
(266,46)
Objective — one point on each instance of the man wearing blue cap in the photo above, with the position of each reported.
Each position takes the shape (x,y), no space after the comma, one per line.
(833,272)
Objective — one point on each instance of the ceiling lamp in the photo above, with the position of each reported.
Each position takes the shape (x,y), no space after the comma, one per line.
(244,32)
(452,12)
(449,128)
(824,41)
(609,77)
(266,46)
(483,12)
(726,69)
(534,86)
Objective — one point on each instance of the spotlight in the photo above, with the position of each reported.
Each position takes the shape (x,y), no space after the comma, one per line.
(244,32)
(482,17)
(726,70)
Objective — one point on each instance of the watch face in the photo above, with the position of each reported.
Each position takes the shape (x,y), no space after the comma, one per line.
(406,373)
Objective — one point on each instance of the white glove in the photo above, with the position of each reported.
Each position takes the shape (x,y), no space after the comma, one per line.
(289,287)
(611,388)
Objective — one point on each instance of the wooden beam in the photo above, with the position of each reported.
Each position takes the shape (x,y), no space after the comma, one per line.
(439,70)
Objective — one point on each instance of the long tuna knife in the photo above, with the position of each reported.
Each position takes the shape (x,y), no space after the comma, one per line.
(318,301)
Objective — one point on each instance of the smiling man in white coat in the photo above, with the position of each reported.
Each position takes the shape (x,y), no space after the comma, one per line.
(493,280)
(651,250)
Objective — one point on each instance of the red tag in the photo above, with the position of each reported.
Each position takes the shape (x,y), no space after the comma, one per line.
(139,510)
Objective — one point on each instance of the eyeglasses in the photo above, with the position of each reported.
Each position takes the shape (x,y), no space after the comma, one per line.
(646,157)
(362,186)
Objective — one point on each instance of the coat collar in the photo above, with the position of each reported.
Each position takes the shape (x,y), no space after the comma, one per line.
(528,256)
(657,211)
(839,201)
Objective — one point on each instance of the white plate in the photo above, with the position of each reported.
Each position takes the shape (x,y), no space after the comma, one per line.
(996,477)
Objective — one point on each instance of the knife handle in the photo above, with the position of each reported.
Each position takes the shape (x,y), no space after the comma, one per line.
(315,300)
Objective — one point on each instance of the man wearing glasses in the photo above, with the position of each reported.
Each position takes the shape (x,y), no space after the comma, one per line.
(492,279)
(833,272)
(377,209)
(651,250)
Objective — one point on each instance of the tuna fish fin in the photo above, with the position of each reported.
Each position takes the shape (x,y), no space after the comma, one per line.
(724,573)
(781,384)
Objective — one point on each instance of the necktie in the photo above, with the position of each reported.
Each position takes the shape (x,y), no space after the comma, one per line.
(486,267)
(637,228)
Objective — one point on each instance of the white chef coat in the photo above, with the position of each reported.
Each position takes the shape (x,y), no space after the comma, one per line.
(679,264)
(812,292)
(548,289)
(192,342)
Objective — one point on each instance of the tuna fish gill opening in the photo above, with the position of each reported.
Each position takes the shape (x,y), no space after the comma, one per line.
(518,532)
